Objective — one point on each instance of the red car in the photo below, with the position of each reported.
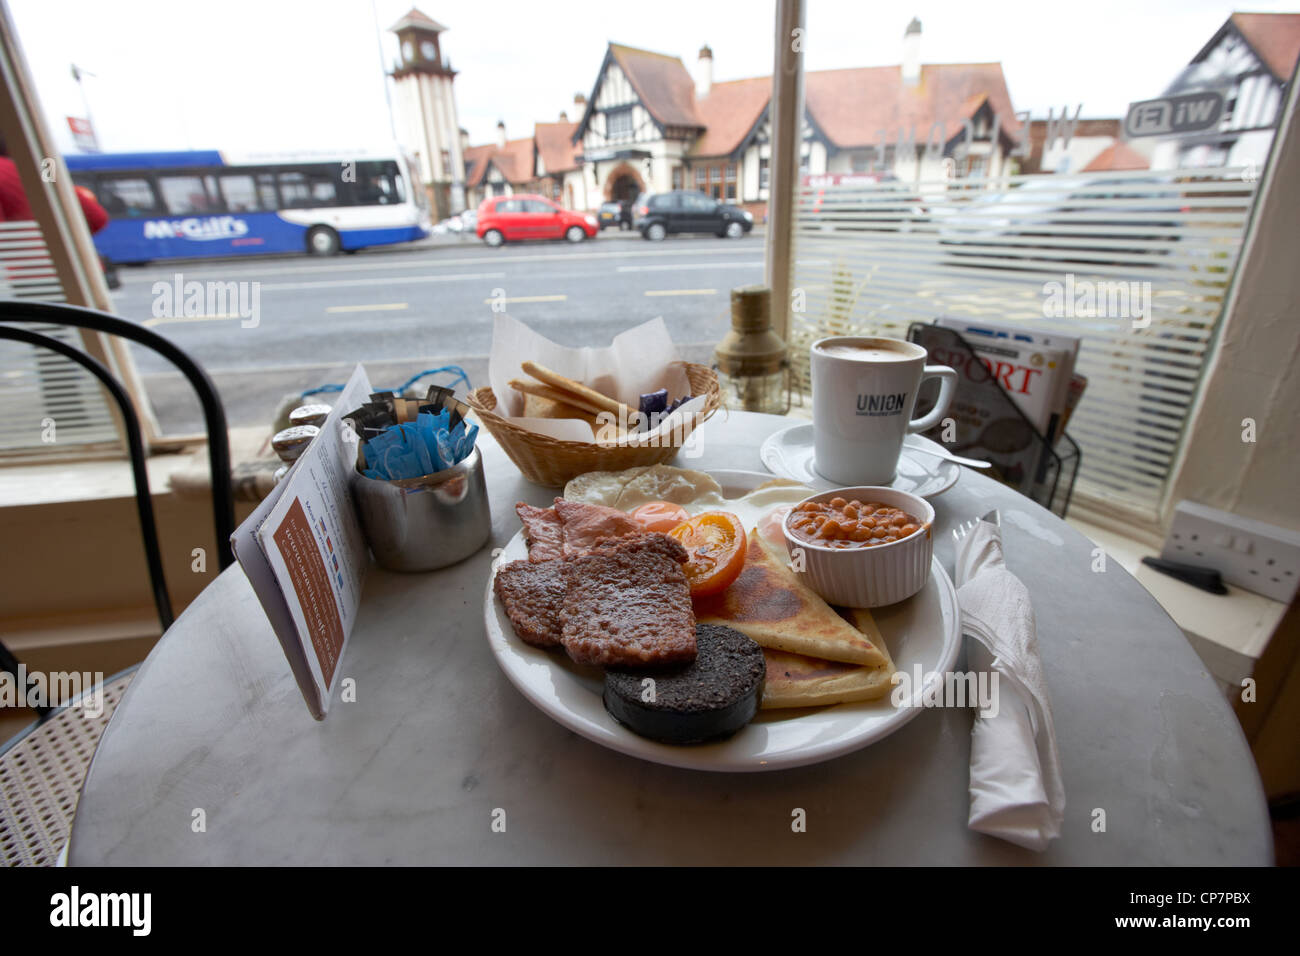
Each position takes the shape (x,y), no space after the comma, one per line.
(525,216)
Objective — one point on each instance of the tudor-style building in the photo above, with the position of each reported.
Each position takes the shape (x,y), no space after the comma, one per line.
(1250,60)
(545,163)
(649,125)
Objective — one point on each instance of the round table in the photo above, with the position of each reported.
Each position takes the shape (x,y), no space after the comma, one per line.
(438,744)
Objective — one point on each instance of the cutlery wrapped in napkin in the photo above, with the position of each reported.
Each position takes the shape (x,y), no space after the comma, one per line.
(1016,790)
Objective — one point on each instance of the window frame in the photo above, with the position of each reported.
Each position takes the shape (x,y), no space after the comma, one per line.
(620,112)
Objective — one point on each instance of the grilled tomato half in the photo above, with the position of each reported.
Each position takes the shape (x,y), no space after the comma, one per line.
(715,542)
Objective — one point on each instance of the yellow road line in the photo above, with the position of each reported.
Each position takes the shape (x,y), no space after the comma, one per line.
(681,292)
(189,318)
(380,307)
(528,298)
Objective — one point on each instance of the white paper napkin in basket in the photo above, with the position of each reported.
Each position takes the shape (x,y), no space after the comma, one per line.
(1016,790)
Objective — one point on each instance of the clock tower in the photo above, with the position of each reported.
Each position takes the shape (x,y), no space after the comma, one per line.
(425,108)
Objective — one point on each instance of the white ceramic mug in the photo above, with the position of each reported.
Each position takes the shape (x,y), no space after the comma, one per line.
(864,391)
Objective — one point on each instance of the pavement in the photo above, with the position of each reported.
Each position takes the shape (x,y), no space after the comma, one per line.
(304,322)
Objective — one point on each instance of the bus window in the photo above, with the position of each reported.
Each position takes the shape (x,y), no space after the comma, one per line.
(266,191)
(377,184)
(400,183)
(307,189)
(185,194)
(122,197)
(240,193)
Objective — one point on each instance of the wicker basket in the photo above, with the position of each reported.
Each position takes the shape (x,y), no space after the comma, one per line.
(550,462)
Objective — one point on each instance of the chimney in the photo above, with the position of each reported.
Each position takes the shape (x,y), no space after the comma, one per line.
(564,117)
(501,134)
(579,102)
(912,53)
(704,72)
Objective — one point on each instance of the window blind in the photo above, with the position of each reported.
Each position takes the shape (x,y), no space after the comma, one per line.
(38,387)
(1136,263)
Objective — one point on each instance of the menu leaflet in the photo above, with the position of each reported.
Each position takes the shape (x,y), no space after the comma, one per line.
(305,555)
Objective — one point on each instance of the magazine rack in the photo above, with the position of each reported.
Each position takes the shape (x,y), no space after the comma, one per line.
(985,422)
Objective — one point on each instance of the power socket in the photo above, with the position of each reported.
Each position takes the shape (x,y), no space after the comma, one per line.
(1250,554)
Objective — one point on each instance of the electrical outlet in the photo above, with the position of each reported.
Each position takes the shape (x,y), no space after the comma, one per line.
(1250,554)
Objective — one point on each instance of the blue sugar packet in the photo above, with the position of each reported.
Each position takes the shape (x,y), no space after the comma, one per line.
(414,449)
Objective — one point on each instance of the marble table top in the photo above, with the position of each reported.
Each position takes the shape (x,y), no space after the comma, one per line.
(438,744)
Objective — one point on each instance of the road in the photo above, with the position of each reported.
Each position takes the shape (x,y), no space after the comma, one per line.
(402,310)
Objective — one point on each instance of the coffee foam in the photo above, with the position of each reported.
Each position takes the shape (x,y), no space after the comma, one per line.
(865,353)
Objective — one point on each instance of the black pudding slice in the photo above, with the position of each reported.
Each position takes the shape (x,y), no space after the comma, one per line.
(712,697)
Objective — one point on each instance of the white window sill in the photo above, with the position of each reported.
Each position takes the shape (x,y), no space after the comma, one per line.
(1229,631)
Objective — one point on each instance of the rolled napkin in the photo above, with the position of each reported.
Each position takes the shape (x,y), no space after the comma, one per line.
(1016,790)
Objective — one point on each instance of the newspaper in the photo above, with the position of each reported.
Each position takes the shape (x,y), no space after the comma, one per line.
(305,555)
(1035,368)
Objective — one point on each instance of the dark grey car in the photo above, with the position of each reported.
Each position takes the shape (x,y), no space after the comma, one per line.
(658,215)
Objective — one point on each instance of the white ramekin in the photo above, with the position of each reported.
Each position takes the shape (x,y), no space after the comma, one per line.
(867,577)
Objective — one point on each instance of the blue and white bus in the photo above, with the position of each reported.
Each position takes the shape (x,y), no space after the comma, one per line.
(208,203)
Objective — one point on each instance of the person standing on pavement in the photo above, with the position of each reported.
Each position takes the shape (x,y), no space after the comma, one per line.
(14,206)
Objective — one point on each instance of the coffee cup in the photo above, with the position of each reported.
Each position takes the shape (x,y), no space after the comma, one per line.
(864,390)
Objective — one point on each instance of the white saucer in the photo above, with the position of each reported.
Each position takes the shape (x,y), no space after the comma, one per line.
(789,454)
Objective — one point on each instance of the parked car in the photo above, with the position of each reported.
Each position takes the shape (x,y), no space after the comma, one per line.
(521,216)
(662,214)
(615,214)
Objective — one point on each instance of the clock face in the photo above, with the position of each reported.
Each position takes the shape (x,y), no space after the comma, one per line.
(408,50)
(427,50)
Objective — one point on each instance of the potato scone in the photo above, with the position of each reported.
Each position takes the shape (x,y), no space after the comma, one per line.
(628,604)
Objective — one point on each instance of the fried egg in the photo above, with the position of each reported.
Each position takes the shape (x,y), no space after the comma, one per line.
(695,491)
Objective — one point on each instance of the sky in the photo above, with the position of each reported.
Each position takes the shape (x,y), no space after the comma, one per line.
(257,75)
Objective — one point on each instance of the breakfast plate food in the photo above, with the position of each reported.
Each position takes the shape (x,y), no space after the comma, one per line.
(756,708)
(789,453)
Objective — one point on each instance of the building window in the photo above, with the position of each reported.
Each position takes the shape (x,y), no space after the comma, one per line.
(762,172)
(717,181)
(678,179)
(618,122)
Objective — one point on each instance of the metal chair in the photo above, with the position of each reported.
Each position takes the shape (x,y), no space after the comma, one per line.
(42,768)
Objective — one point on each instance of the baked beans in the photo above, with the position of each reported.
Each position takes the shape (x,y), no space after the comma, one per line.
(850,524)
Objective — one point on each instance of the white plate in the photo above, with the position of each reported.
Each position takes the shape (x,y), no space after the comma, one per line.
(789,453)
(922,630)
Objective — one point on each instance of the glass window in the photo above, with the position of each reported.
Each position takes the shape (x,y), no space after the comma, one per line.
(184,195)
(701,176)
(128,196)
(266,191)
(678,178)
(618,122)
(697,202)
(538,206)
(307,189)
(378,184)
(510,205)
(763,172)
(239,192)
